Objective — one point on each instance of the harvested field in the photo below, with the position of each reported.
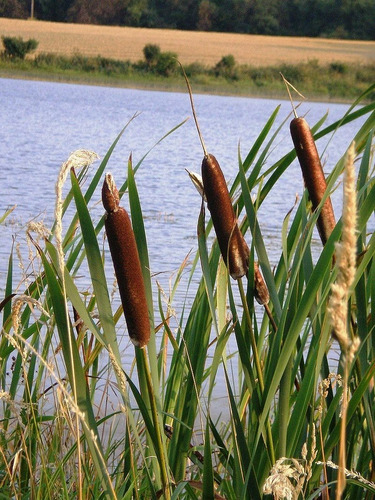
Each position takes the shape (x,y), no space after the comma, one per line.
(127,44)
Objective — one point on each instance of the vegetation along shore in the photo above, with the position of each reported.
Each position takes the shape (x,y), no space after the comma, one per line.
(221,63)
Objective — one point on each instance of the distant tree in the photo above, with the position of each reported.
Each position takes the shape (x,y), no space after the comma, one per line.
(180,14)
(17,48)
(52,10)
(264,18)
(94,12)
(13,9)
(232,15)
(206,15)
(358,18)
(329,18)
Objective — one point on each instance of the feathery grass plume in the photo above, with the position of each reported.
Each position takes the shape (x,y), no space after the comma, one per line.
(345,262)
(127,265)
(350,474)
(338,302)
(18,302)
(79,159)
(285,480)
(288,476)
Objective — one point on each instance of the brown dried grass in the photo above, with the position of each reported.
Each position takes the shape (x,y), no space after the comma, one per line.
(126,43)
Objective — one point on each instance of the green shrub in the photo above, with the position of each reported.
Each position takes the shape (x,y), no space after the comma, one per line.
(339,67)
(152,53)
(166,64)
(194,69)
(17,48)
(226,67)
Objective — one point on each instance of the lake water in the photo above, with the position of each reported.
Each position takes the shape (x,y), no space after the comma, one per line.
(42,123)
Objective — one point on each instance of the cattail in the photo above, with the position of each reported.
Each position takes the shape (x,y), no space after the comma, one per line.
(232,244)
(127,265)
(313,175)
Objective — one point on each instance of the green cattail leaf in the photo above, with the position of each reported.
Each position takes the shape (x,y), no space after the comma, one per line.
(74,296)
(355,400)
(250,158)
(259,244)
(364,170)
(208,475)
(367,207)
(6,304)
(203,254)
(144,410)
(140,237)
(250,485)
(218,357)
(296,325)
(96,268)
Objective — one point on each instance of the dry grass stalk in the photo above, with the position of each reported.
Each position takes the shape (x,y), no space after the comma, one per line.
(127,265)
(313,175)
(345,259)
(338,302)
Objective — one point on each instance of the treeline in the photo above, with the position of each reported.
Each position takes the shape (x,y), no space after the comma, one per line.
(352,19)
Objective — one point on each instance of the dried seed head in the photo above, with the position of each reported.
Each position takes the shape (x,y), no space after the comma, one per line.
(110,194)
(346,262)
(232,244)
(313,174)
(197,180)
(260,291)
(127,265)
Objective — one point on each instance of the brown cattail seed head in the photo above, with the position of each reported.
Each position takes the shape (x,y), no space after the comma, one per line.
(313,175)
(232,244)
(127,265)
(260,288)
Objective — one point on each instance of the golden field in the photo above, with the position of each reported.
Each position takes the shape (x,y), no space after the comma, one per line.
(126,43)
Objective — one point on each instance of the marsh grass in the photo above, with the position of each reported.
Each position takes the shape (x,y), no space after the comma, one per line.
(76,424)
(319,79)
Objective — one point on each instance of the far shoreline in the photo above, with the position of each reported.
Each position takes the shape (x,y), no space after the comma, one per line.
(166,87)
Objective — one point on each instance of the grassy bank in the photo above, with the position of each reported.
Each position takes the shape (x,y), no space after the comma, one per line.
(334,81)
(76,422)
